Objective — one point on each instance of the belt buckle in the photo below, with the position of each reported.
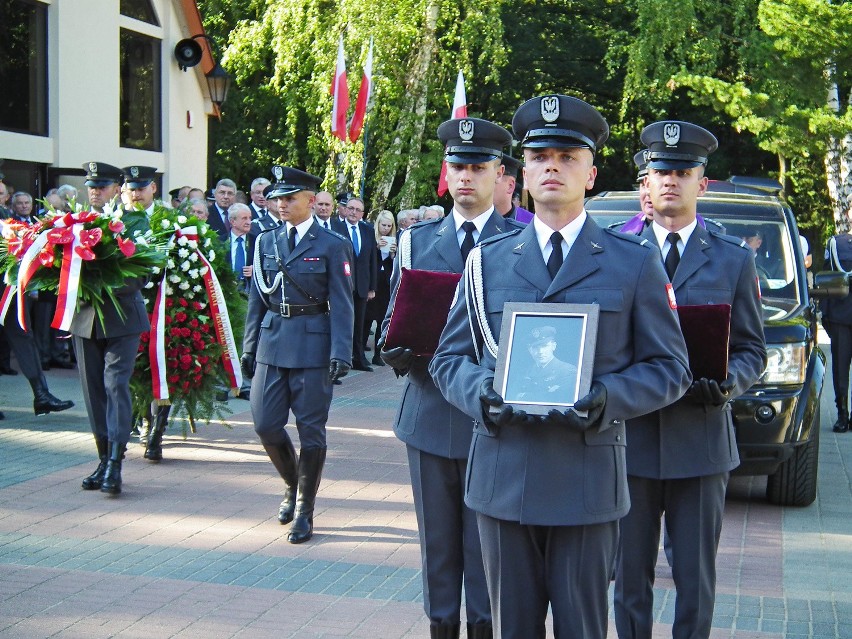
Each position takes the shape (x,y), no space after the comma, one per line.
(285,309)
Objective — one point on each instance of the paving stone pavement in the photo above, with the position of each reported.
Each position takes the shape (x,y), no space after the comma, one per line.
(192,547)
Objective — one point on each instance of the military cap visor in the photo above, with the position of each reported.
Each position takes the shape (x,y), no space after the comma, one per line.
(541,336)
(99,174)
(641,162)
(472,140)
(674,145)
(138,177)
(513,166)
(293,181)
(559,121)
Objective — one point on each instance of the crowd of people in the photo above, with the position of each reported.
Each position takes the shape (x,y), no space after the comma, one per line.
(519,511)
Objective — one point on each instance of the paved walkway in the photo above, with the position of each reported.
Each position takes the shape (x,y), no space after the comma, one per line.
(192,549)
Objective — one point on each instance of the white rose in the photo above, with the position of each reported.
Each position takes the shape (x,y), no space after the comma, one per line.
(192,244)
(182,241)
(183,253)
(169,290)
(182,219)
(149,285)
(164,224)
(211,255)
(185,265)
(183,286)
(193,257)
(207,243)
(171,264)
(194,274)
(189,295)
(196,288)
(204,270)
(155,270)
(174,279)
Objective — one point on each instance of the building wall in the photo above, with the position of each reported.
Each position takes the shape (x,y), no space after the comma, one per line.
(83,90)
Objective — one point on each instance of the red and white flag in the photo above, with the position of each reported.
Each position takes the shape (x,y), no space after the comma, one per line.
(459,111)
(340,91)
(363,97)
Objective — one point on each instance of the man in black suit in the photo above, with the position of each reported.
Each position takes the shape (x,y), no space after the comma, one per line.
(223,196)
(258,198)
(364,273)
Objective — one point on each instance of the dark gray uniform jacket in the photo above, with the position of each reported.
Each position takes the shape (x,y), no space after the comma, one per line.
(425,420)
(552,475)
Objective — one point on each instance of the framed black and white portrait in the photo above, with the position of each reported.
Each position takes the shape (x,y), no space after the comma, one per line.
(545,355)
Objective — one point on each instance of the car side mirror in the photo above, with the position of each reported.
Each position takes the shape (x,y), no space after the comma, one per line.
(830,284)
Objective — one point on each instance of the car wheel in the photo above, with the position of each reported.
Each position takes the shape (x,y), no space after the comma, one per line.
(795,481)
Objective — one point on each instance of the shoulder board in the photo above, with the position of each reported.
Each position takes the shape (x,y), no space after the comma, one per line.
(334,233)
(730,239)
(615,226)
(423,223)
(501,236)
(718,225)
(627,237)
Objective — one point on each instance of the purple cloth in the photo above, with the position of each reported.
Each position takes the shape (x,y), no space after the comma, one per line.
(522,215)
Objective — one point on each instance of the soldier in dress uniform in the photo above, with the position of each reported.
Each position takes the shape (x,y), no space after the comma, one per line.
(298,341)
(548,491)
(679,456)
(141,186)
(837,322)
(436,433)
(505,192)
(106,353)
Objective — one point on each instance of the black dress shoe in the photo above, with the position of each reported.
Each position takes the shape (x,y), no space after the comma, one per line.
(45,366)
(363,367)
(337,382)
(222,396)
(244,395)
(7,370)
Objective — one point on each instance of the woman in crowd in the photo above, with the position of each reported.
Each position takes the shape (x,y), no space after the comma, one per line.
(377,307)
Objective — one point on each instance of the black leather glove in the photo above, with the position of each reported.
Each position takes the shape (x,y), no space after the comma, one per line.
(593,403)
(710,392)
(398,358)
(508,416)
(248,365)
(337,368)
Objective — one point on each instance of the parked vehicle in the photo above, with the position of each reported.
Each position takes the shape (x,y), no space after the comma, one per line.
(777,421)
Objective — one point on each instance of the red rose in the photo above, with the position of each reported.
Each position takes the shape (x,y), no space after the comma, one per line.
(168,319)
(174,379)
(197,306)
(183,302)
(180,316)
(194,323)
(169,302)
(185,387)
(175,332)
(205,328)
(185,332)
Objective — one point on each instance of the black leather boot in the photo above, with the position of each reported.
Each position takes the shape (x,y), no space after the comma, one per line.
(283,457)
(311,461)
(112,475)
(94,481)
(444,630)
(43,401)
(481,630)
(154,445)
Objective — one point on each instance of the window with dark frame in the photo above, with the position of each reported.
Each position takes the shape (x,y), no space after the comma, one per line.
(140,73)
(23,67)
(141,10)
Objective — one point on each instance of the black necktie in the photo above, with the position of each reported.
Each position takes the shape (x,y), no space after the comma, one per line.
(291,239)
(673,256)
(554,262)
(467,242)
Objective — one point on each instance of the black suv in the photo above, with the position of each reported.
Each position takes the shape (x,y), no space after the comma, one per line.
(777,421)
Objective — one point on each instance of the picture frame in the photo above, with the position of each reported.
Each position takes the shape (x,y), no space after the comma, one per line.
(545,355)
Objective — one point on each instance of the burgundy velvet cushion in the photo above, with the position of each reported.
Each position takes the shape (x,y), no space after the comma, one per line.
(706,330)
(420,311)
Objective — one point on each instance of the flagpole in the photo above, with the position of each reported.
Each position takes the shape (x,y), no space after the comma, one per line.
(364,161)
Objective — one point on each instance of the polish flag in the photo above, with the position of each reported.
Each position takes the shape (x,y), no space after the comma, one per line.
(459,111)
(363,97)
(340,91)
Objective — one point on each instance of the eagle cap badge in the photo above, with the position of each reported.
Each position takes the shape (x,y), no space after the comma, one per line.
(134,171)
(277,172)
(671,133)
(466,130)
(550,108)
(93,168)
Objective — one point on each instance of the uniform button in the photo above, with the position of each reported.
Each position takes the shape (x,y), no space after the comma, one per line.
(618,438)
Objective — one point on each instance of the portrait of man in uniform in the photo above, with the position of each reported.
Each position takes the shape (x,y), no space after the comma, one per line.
(538,376)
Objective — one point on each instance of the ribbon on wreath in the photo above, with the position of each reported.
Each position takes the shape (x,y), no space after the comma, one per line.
(218,315)
(6,300)
(68,231)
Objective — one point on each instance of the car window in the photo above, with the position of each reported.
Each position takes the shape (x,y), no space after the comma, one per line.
(774,259)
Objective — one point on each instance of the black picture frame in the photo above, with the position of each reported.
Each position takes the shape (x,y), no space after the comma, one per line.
(546,355)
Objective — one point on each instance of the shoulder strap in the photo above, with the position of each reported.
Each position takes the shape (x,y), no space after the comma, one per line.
(404,249)
(477,316)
